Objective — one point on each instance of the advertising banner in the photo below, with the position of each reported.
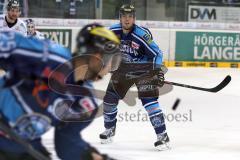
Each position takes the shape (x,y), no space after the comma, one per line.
(60,36)
(200,13)
(207,46)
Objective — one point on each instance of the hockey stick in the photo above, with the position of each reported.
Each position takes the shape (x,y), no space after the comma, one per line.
(27,146)
(141,74)
(219,87)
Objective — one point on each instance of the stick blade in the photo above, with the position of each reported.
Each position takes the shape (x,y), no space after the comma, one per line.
(223,84)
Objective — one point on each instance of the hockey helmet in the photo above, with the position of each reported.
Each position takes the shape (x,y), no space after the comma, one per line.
(127,9)
(29,21)
(94,38)
(13,4)
(98,38)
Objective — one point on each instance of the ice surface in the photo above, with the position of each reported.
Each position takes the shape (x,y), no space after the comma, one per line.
(205,127)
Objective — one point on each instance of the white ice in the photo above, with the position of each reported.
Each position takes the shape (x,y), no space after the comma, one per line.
(210,130)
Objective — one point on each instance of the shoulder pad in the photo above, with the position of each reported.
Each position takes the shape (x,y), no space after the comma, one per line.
(22,23)
(145,34)
(147,37)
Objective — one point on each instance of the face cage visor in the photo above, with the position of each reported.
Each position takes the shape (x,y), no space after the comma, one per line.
(91,65)
(110,55)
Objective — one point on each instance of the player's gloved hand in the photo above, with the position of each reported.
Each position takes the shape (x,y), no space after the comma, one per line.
(93,154)
(160,77)
(85,108)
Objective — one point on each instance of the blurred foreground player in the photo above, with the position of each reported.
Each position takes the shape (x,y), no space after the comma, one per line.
(11,20)
(39,83)
(140,55)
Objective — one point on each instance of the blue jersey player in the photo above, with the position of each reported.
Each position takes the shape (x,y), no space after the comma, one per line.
(46,86)
(140,54)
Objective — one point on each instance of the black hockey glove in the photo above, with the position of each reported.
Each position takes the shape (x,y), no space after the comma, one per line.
(88,155)
(160,77)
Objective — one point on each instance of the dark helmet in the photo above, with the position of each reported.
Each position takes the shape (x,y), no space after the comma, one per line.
(29,21)
(127,8)
(13,4)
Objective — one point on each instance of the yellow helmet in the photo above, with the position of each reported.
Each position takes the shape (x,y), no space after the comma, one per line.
(96,38)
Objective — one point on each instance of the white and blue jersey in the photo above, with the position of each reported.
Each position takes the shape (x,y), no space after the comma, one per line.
(138,46)
(27,102)
(19,26)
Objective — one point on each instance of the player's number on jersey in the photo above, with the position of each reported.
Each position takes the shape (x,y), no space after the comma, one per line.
(8,44)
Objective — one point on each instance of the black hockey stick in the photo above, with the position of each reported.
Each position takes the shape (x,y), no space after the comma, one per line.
(219,87)
(138,74)
(27,146)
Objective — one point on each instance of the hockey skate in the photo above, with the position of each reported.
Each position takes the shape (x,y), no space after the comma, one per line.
(162,142)
(107,136)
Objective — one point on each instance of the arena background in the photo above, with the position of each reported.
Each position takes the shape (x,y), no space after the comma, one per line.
(201,45)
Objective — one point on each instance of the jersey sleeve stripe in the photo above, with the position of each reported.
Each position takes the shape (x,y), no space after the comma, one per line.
(37,55)
(156,54)
(140,39)
(116,29)
(146,30)
(26,107)
(4,55)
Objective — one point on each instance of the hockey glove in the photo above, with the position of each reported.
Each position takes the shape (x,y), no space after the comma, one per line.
(160,78)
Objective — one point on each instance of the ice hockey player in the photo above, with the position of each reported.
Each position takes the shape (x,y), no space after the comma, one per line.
(139,53)
(31,29)
(11,20)
(37,91)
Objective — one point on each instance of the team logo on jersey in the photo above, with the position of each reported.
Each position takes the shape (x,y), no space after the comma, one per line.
(147,38)
(87,105)
(126,47)
(32,126)
(69,111)
(135,45)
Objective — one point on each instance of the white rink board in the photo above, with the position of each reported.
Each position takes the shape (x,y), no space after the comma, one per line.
(213,132)
(164,34)
(161,36)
